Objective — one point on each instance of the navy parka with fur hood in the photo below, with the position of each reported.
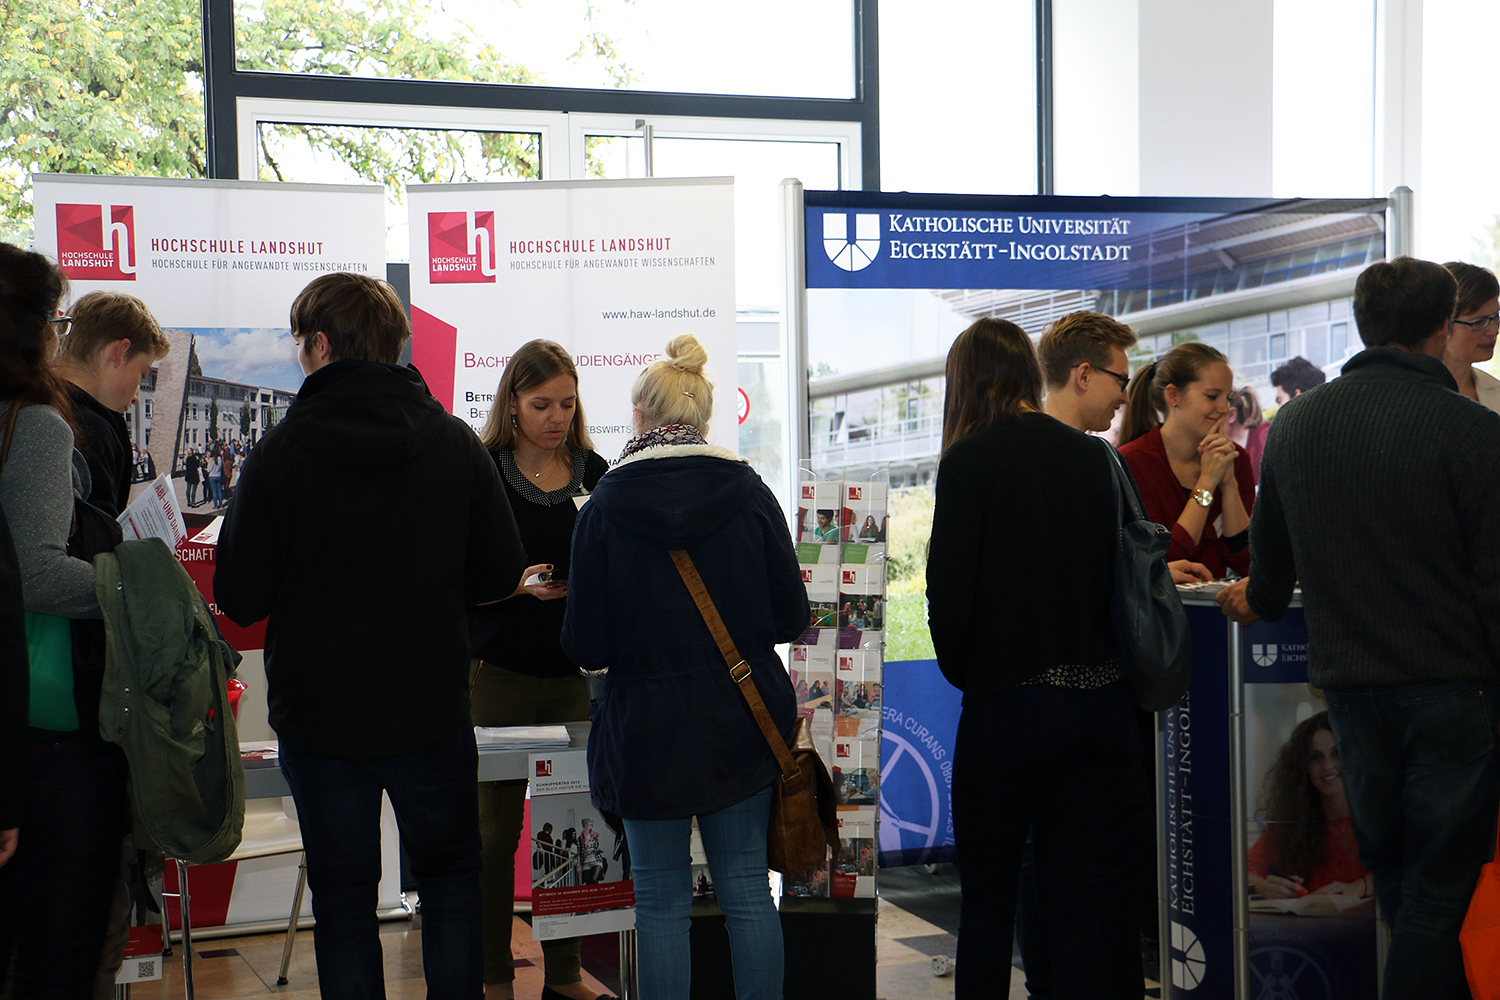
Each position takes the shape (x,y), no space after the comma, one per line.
(672,735)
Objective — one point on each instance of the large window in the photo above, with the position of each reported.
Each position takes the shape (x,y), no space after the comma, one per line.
(1458,200)
(777,48)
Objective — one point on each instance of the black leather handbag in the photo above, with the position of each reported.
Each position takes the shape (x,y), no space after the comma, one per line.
(1151,627)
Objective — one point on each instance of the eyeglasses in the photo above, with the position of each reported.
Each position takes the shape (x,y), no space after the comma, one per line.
(1479,325)
(1124,380)
(63,324)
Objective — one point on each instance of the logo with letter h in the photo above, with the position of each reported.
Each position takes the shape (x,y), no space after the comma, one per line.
(461,247)
(96,242)
(544,768)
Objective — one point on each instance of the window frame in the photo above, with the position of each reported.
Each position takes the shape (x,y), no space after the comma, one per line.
(427,103)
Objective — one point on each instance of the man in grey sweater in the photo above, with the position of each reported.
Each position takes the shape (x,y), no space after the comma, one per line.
(1377,493)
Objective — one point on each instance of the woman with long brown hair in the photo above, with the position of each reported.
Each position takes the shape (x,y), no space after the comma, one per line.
(1308,845)
(520,674)
(1019,580)
(68,847)
(1192,477)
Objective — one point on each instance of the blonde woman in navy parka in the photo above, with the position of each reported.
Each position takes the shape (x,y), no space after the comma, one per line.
(673,737)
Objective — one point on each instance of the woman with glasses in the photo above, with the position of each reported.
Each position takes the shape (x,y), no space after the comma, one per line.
(1192,477)
(1471,335)
(73,818)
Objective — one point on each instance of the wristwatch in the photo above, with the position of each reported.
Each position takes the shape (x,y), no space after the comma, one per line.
(1204,497)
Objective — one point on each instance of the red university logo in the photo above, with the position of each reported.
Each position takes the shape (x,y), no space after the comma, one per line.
(544,768)
(461,247)
(96,242)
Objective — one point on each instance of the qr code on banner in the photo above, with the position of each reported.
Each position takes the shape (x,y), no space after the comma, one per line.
(146,969)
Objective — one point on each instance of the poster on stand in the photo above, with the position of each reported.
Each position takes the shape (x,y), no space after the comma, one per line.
(218,263)
(611,270)
(580,866)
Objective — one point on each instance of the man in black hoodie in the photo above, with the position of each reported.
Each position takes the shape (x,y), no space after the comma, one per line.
(367,645)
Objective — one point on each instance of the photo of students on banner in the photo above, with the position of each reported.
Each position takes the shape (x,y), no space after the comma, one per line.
(1312,903)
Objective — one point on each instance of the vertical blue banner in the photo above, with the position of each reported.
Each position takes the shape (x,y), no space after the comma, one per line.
(916,764)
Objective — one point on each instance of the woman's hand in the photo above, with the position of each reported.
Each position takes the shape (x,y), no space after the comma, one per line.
(1216,459)
(548,590)
(1276,887)
(8,840)
(1187,571)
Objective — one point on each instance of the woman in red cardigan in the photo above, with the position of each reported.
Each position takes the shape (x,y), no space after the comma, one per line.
(1191,476)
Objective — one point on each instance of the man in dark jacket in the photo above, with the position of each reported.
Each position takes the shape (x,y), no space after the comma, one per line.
(367,646)
(109,351)
(1377,492)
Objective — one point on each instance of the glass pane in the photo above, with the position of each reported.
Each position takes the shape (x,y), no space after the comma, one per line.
(106,87)
(758,168)
(1313,105)
(355,154)
(950,121)
(1458,199)
(780,48)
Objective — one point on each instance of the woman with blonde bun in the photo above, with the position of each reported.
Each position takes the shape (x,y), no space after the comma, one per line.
(673,737)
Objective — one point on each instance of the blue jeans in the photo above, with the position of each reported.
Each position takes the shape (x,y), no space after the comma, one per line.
(1420,771)
(734,838)
(216,487)
(62,879)
(1053,761)
(192,493)
(434,792)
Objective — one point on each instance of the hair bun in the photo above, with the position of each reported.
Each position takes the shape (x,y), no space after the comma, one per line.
(685,354)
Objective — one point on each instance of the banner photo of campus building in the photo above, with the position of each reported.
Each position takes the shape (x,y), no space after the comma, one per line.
(611,270)
(892,279)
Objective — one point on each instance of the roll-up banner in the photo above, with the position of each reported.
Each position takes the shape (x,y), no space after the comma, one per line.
(611,270)
(218,263)
(891,279)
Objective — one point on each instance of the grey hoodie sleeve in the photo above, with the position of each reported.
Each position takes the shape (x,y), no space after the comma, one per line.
(36,490)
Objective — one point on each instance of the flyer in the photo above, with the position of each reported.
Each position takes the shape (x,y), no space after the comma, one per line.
(582,884)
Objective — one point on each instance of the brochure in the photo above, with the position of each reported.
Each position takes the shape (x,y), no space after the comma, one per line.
(580,865)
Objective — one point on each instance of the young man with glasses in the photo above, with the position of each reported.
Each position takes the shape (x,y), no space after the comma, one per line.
(1471,335)
(1376,496)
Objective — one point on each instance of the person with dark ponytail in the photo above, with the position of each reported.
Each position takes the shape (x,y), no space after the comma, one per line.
(74,815)
(1192,477)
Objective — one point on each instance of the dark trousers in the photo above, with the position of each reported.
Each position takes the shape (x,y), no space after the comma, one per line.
(1124,887)
(1420,770)
(58,888)
(434,792)
(1052,761)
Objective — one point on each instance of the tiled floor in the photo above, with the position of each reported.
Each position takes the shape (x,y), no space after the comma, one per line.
(246,967)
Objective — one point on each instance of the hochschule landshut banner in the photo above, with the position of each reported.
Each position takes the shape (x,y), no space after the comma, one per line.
(611,270)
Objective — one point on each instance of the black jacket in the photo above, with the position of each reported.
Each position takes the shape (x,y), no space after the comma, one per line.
(1020,572)
(104,441)
(363,526)
(673,736)
(1378,493)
